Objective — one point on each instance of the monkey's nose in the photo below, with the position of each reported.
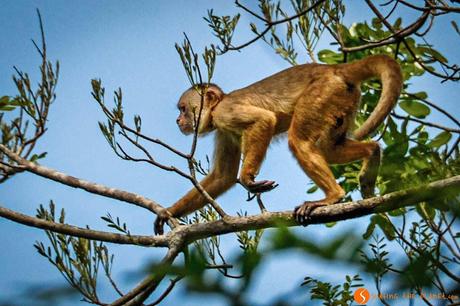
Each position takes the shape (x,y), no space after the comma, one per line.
(177,120)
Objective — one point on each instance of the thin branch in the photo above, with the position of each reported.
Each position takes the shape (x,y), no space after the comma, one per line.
(441,110)
(395,37)
(159,241)
(247,10)
(446,8)
(145,288)
(167,291)
(191,178)
(435,125)
(445,77)
(123,126)
(91,187)
(271,24)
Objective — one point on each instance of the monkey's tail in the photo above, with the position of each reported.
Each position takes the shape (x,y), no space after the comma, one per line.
(389,72)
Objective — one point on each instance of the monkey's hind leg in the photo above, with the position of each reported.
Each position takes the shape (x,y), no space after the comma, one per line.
(313,162)
(352,150)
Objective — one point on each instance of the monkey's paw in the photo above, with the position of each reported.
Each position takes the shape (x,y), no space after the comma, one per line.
(367,188)
(260,186)
(302,213)
(162,217)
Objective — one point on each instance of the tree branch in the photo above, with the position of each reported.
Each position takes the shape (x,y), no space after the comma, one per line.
(158,241)
(269,25)
(91,187)
(395,37)
(146,287)
(330,213)
(435,125)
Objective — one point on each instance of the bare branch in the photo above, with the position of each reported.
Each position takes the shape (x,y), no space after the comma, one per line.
(159,241)
(91,187)
(269,25)
(145,288)
(435,125)
(330,213)
(172,283)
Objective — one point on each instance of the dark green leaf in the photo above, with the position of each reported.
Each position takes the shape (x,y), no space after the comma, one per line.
(385,225)
(4,100)
(370,229)
(415,108)
(6,108)
(440,139)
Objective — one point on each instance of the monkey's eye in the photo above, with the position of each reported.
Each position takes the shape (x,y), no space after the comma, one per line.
(182,109)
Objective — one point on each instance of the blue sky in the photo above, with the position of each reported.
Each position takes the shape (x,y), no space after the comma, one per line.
(131,44)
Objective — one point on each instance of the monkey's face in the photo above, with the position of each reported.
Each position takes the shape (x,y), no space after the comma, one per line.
(188,112)
(184,120)
(189,109)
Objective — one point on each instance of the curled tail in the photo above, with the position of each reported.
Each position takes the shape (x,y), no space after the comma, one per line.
(389,72)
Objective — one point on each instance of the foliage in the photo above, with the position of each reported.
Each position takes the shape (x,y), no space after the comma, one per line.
(77,259)
(333,295)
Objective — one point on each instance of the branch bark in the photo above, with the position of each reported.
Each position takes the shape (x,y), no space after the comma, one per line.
(158,241)
(331,213)
(72,181)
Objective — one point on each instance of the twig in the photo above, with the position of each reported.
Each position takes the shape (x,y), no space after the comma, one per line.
(269,25)
(167,291)
(441,110)
(155,281)
(435,125)
(72,181)
(160,241)
(446,77)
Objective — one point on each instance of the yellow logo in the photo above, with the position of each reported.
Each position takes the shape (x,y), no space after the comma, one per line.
(361,296)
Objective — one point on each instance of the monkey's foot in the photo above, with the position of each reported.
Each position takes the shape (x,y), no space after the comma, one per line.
(260,186)
(367,187)
(162,218)
(367,191)
(302,213)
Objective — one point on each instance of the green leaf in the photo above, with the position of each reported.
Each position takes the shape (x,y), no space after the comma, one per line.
(329,57)
(440,139)
(312,189)
(421,95)
(426,211)
(370,229)
(397,212)
(396,150)
(415,108)
(36,157)
(385,225)
(6,108)
(4,100)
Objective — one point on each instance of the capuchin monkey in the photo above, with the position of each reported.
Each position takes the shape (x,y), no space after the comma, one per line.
(316,105)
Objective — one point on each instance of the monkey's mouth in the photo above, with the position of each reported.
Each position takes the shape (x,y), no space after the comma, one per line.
(185,129)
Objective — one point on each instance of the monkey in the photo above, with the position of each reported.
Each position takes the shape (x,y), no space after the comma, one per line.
(314,103)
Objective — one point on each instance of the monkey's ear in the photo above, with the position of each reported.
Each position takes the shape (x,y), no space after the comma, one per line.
(213,97)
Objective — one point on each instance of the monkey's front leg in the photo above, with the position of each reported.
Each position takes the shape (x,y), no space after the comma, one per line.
(256,139)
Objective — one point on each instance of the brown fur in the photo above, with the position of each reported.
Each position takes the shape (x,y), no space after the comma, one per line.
(315,104)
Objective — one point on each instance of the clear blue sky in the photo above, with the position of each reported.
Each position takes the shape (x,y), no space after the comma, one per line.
(131,44)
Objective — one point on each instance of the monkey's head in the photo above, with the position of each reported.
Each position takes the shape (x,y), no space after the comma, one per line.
(189,108)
